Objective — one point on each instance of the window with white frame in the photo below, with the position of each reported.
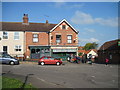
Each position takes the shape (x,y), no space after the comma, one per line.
(35,37)
(18,48)
(16,35)
(5,35)
(69,38)
(58,38)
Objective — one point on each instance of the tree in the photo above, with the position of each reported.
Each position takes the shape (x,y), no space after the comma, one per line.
(80,54)
(89,46)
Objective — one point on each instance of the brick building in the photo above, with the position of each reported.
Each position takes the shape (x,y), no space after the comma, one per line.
(45,39)
(63,40)
(42,39)
(110,50)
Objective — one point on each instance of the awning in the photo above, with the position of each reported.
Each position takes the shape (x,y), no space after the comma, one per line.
(38,47)
(64,50)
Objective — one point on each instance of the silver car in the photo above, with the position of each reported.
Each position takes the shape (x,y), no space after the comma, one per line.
(7,59)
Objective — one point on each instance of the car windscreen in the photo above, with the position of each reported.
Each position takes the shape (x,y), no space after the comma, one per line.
(45,58)
(51,58)
(6,56)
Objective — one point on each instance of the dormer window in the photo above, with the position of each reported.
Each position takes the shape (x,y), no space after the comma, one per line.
(63,26)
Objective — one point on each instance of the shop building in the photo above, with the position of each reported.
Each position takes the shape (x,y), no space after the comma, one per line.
(41,39)
(63,40)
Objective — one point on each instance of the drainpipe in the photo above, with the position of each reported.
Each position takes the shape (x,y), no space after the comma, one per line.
(49,39)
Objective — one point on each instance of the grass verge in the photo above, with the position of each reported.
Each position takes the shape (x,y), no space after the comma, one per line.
(14,83)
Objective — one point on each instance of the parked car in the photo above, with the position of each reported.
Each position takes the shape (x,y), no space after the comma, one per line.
(7,59)
(49,60)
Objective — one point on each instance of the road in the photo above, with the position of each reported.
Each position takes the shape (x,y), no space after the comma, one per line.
(65,76)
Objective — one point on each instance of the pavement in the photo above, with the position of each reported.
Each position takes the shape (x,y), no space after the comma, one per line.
(68,75)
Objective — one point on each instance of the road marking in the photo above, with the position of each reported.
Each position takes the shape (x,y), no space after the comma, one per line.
(47,81)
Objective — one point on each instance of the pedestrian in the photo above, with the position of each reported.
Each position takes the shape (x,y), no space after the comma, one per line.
(68,58)
(75,59)
(106,61)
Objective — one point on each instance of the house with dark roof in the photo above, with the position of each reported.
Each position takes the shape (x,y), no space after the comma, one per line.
(12,39)
(110,50)
(42,39)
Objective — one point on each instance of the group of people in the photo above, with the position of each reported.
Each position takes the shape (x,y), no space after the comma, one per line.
(74,59)
(78,59)
(84,59)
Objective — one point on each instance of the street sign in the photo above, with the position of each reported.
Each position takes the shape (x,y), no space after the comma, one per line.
(64,50)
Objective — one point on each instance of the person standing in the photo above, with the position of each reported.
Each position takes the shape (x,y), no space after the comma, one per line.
(69,58)
(106,61)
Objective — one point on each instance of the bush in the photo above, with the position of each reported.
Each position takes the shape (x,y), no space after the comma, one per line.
(80,54)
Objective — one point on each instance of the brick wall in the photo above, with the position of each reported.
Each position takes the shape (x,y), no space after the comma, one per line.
(64,33)
(42,40)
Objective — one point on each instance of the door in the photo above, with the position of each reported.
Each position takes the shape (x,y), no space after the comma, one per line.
(46,60)
(35,53)
(52,60)
(5,49)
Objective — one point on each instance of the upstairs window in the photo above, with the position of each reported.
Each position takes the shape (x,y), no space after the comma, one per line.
(58,38)
(35,37)
(18,48)
(69,38)
(63,26)
(5,35)
(16,36)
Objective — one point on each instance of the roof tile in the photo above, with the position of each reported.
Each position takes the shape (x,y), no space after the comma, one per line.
(19,26)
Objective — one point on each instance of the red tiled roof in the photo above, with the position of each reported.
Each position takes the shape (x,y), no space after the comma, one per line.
(80,47)
(81,51)
(86,52)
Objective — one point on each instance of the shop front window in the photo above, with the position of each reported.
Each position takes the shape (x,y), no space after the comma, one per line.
(33,51)
(37,50)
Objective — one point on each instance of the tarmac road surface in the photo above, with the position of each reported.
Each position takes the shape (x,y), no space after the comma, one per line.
(65,76)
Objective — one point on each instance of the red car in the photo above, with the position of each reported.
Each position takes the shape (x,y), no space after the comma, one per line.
(49,60)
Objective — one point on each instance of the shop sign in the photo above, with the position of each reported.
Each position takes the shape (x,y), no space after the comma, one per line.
(64,50)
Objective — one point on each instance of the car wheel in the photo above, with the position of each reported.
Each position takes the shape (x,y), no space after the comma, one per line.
(42,63)
(12,63)
(58,63)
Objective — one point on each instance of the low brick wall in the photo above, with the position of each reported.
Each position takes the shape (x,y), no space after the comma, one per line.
(28,62)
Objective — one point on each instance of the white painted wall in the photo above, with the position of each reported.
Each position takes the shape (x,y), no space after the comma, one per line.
(92,53)
(10,42)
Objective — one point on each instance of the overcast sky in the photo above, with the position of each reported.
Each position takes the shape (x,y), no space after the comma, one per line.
(95,21)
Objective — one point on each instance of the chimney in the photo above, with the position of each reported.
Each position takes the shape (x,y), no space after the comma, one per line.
(46,21)
(25,19)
